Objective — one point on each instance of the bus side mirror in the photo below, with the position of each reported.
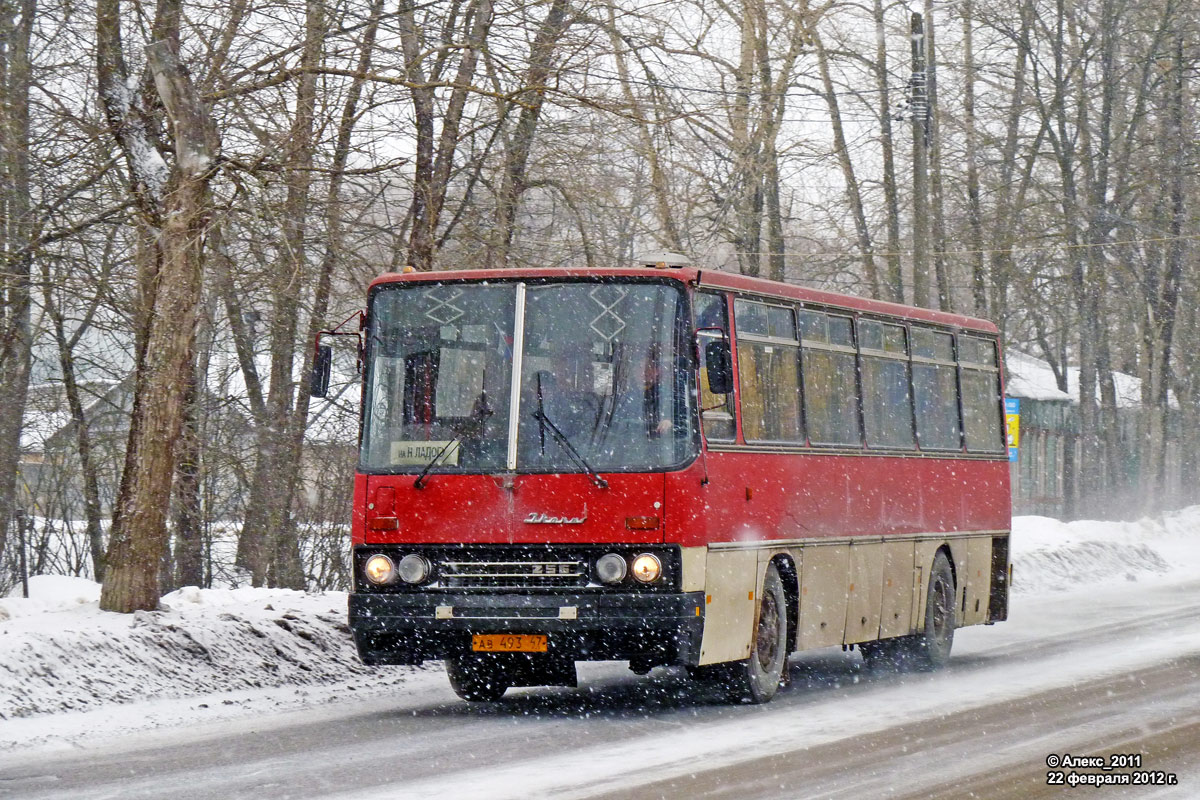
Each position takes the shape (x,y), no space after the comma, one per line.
(719,363)
(318,382)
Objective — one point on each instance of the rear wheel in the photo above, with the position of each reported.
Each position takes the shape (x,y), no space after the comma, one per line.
(757,679)
(477,679)
(929,649)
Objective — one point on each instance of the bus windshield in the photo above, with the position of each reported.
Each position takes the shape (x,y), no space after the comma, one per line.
(605,382)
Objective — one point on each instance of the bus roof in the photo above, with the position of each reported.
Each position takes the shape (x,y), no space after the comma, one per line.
(703,277)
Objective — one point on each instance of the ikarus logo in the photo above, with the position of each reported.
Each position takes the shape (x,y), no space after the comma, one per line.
(540,518)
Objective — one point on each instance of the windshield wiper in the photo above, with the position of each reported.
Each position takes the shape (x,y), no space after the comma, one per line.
(545,422)
(473,426)
(419,483)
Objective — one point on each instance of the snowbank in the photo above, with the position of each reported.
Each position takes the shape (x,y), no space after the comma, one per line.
(1049,555)
(50,593)
(59,652)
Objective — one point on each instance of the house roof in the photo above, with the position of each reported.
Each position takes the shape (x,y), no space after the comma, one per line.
(1032,378)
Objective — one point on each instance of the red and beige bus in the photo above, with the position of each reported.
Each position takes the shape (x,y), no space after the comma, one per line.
(670,466)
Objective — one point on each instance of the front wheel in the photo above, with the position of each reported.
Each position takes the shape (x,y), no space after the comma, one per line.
(757,679)
(476,679)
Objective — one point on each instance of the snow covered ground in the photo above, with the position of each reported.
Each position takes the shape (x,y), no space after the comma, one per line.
(70,674)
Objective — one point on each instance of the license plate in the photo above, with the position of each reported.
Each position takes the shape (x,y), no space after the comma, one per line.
(509,642)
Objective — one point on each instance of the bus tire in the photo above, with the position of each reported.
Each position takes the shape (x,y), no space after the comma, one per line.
(476,679)
(930,649)
(757,679)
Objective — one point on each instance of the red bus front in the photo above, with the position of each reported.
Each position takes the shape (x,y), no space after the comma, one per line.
(510,502)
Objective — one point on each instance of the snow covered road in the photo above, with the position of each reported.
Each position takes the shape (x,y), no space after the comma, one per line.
(1086,671)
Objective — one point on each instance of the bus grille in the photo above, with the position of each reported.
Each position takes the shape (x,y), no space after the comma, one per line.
(512,574)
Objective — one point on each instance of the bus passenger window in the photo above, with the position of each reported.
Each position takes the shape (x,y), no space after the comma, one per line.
(935,390)
(980,394)
(830,390)
(769,373)
(716,409)
(887,405)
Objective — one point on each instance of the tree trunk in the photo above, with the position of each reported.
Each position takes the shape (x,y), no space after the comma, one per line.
(83,439)
(660,185)
(268,527)
(16,235)
(853,195)
(189,541)
(139,538)
(432,174)
(334,239)
(513,180)
(895,268)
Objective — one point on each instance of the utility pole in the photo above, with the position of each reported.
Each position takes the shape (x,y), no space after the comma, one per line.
(920,128)
(933,141)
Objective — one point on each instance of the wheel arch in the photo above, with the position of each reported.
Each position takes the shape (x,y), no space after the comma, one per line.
(945,548)
(790,576)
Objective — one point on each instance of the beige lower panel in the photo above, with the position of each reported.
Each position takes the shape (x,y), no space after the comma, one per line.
(694,560)
(967,586)
(823,597)
(864,592)
(977,583)
(731,583)
(895,618)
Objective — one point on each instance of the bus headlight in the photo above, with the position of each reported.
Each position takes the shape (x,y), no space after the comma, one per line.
(647,568)
(413,568)
(610,568)
(379,569)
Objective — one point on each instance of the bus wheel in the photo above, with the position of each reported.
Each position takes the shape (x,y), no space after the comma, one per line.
(757,678)
(930,649)
(476,679)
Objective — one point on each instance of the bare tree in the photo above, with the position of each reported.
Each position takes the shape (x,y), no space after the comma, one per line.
(175,201)
(16,244)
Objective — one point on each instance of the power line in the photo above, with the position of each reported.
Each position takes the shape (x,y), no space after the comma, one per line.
(985,251)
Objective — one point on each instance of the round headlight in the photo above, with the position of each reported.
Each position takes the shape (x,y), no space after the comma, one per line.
(610,568)
(413,568)
(647,568)
(379,569)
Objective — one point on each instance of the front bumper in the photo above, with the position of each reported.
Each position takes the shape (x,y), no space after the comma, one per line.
(411,628)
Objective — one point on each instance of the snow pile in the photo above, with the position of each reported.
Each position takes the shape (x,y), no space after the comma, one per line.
(1049,555)
(59,652)
(50,593)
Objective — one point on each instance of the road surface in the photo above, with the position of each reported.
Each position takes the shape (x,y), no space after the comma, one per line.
(1086,673)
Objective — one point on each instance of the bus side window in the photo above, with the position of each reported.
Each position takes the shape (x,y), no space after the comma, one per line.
(716,410)
(980,378)
(830,390)
(935,390)
(769,372)
(887,403)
